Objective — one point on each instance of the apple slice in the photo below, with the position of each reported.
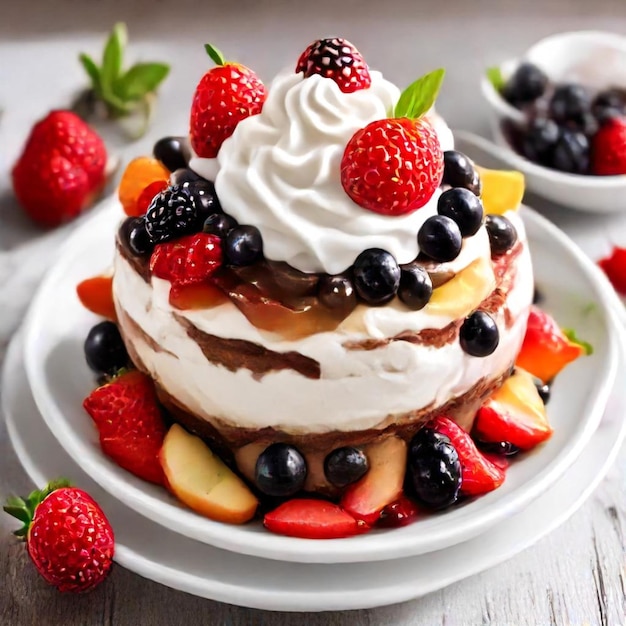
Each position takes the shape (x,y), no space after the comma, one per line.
(515,413)
(502,190)
(201,480)
(462,294)
(382,484)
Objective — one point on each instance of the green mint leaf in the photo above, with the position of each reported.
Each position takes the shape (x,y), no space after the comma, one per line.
(216,56)
(495,77)
(139,80)
(92,70)
(570,333)
(420,96)
(112,57)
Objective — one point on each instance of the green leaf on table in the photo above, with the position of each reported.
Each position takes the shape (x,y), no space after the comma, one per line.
(140,79)
(570,333)
(113,57)
(494,74)
(420,95)
(93,71)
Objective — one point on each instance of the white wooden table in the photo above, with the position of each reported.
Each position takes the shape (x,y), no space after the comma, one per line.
(576,575)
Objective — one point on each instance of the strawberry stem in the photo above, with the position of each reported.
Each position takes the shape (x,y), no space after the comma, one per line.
(24,509)
(216,56)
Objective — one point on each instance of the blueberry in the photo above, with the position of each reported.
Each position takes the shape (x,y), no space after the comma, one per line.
(571,153)
(133,232)
(280,470)
(476,186)
(244,245)
(462,206)
(525,85)
(543,390)
(537,296)
(376,276)
(184,175)
(416,287)
(173,152)
(440,238)
(569,103)
(502,234)
(219,224)
(479,335)
(173,213)
(434,469)
(458,169)
(337,292)
(539,139)
(503,448)
(105,351)
(205,197)
(345,466)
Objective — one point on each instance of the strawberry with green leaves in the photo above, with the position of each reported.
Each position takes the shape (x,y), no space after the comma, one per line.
(130,424)
(68,537)
(224,96)
(393,166)
(123,92)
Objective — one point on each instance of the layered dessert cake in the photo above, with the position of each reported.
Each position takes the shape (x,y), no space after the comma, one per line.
(313,279)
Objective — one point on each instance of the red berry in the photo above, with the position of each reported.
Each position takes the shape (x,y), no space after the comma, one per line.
(337,59)
(312,519)
(402,512)
(69,538)
(188,260)
(608,149)
(224,96)
(392,166)
(147,196)
(479,474)
(61,169)
(130,424)
(614,266)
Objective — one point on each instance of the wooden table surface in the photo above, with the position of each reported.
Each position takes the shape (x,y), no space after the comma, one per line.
(574,576)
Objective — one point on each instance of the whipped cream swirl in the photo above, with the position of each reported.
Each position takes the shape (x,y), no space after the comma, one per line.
(280,171)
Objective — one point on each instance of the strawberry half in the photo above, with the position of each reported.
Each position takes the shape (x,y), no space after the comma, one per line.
(614,266)
(514,413)
(608,149)
(68,537)
(61,169)
(224,96)
(546,349)
(312,519)
(129,421)
(337,59)
(479,474)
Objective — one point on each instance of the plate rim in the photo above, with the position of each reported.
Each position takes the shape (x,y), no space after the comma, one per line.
(276,547)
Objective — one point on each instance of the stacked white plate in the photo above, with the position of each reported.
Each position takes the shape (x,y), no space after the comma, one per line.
(45,381)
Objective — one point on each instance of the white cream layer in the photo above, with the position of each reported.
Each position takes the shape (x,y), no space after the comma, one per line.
(357,389)
(280,170)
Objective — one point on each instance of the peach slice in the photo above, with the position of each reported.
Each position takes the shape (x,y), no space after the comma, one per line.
(502,190)
(201,480)
(462,294)
(96,295)
(382,484)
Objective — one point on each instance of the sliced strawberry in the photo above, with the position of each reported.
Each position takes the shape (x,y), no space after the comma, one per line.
(515,413)
(614,266)
(498,460)
(312,519)
(129,421)
(479,474)
(402,512)
(96,295)
(547,349)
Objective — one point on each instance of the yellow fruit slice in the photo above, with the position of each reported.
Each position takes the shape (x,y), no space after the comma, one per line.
(502,190)
(463,293)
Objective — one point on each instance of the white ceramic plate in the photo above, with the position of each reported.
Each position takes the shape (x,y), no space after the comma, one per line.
(57,325)
(176,561)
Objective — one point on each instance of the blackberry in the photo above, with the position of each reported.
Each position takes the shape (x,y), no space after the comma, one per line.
(173,213)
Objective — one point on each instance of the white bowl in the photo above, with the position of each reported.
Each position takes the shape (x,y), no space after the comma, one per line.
(595,59)
(57,325)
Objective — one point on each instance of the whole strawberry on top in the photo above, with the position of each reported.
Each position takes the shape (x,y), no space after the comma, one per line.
(68,537)
(224,96)
(393,166)
(61,170)
(608,149)
(337,59)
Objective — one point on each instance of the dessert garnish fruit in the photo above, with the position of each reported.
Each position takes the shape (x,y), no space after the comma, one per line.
(67,535)
(614,266)
(569,127)
(320,306)
(121,92)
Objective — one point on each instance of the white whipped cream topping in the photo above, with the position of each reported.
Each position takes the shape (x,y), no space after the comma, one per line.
(357,389)
(280,170)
